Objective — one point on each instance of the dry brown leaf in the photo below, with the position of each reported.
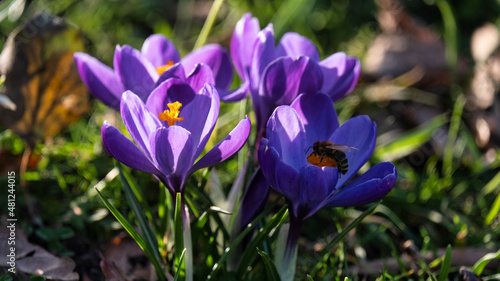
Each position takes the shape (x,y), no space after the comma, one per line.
(406,43)
(459,257)
(394,19)
(34,260)
(41,79)
(111,271)
(393,55)
(123,258)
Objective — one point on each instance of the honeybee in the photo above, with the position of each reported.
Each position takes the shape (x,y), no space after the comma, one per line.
(326,153)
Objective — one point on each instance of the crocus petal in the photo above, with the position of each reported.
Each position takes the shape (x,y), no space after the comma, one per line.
(244,36)
(318,116)
(315,185)
(268,157)
(358,132)
(159,50)
(263,54)
(294,45)
(135,71)
(342,72)
(217,59)
(169,91)
(124,150)
(289,184)
(173,148)
(231,144)
(140,123)
(235,95)
(99,79)
(176,71)
(200,116)
(200,75)
(286,134)
(284,79)
(254,199)
(367,188)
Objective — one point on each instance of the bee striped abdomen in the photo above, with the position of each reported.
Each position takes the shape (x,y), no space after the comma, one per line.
(342,163)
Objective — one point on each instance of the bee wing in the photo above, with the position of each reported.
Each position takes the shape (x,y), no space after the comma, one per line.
(340,147)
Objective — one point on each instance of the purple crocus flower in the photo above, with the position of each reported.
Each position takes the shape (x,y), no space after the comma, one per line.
(293,129)
(284,79)
(171,130)
(139,71)
(264,68)
(253,50)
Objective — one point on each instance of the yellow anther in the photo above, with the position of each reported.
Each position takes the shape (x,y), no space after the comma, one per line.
(172,114)
(163,68)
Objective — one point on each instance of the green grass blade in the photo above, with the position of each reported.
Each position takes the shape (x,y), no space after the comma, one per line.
(495,277)
(445,266)
(5,277)
(351,226)
(249,253)
(138,239)
(272,272)
(178,237)
(133,185)
(198,194)
(163,212)
(410,141)
(237,241)
(209,22)
(492,185)
(139,211)
(479,266)
(138,194)
(309,278)
(177,274)
(450,33)
(476,162)
(343,234)
(431,276)
(495,209)
(456,119)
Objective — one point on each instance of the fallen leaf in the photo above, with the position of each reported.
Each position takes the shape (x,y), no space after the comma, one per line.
(41,79)
(123,259)
(407,43)
(459,257)
(34,260)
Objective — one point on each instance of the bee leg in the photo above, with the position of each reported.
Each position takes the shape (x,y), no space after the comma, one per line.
(321,159)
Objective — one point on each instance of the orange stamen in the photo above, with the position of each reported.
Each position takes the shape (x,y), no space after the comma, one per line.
(171,115)
(163,68)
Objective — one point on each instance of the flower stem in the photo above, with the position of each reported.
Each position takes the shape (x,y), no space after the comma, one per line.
(188,245)
(287,267)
